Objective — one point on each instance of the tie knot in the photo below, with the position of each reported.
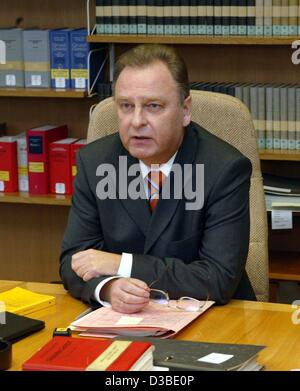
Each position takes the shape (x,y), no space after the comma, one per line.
(155,180)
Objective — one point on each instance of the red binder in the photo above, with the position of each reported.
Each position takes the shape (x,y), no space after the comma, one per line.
(60,166)
(82,354)
(38,140)
(8,164)
(74,148)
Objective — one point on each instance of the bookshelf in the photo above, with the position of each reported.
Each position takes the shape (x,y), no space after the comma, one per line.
(284,266)
(279,155)
(31,227)
(37,223)
(26,198)
(193,40)
(292,266)
(41,93)
(218,58)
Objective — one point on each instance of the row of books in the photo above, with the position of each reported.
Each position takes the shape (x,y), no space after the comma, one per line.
(198,17)
(275,110)
(41,160)
(44,58)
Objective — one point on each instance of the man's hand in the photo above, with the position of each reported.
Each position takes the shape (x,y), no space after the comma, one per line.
(126,295)
(91,263)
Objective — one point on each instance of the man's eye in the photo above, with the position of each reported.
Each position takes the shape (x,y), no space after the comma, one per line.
(125,106)
(154,106)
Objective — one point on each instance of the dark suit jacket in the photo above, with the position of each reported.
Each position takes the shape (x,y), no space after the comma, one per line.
(190,252)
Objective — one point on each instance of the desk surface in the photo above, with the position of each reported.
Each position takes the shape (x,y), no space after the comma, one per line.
(238,322)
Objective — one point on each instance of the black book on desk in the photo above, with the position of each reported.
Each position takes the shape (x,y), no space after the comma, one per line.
(203,356)
(14,327)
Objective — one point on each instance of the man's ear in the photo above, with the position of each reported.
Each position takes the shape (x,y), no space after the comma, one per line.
(187,110)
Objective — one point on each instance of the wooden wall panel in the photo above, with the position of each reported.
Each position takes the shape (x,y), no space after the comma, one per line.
(283,168)
(22,113)
(245,63)
(45,14)
(30,239)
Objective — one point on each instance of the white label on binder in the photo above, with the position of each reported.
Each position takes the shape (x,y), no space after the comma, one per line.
(60,188)
(1,185)
(282,219)
(60,82)
(79,82)
(215,358)
(10,80)
(23,184)
(36,80)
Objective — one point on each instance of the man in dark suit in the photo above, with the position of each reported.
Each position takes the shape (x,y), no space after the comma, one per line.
(118,243)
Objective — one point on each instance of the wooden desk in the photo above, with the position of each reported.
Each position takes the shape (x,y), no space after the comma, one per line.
(238,322)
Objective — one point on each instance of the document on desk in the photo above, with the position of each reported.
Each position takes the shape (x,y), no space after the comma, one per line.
(154,320)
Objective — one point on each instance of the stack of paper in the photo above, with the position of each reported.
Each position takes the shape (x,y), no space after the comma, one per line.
(282,202)
(23,302)
(154,320)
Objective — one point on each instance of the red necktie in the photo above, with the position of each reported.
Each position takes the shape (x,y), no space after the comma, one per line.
(155,180)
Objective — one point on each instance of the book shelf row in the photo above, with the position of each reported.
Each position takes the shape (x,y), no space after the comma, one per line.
(41,160)
(198,17)
(65,200)
(49,58)
(275,110)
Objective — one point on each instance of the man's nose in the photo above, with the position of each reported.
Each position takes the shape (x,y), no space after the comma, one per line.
(138,118)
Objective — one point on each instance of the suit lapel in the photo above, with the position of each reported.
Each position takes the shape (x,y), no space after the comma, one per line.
(138,209)
(166,208)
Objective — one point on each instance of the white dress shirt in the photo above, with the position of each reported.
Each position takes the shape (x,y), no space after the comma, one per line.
(126,259)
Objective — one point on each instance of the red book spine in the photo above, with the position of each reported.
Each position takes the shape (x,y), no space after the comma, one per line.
(38,157)
(60,168)
(8,166)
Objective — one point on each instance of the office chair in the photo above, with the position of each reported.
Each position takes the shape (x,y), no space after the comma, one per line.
(229,119)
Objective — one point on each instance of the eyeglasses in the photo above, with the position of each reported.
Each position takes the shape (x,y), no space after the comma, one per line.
(184,303)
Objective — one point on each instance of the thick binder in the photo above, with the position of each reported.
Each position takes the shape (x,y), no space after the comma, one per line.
(203,356)
(86,354)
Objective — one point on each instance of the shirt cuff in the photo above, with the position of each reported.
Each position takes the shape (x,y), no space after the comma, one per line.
(97,291)
(125,265)
(123,271)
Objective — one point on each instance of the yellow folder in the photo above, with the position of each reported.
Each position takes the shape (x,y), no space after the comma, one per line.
(22,301)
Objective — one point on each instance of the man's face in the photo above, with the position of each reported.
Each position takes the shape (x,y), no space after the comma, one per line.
(150,115)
